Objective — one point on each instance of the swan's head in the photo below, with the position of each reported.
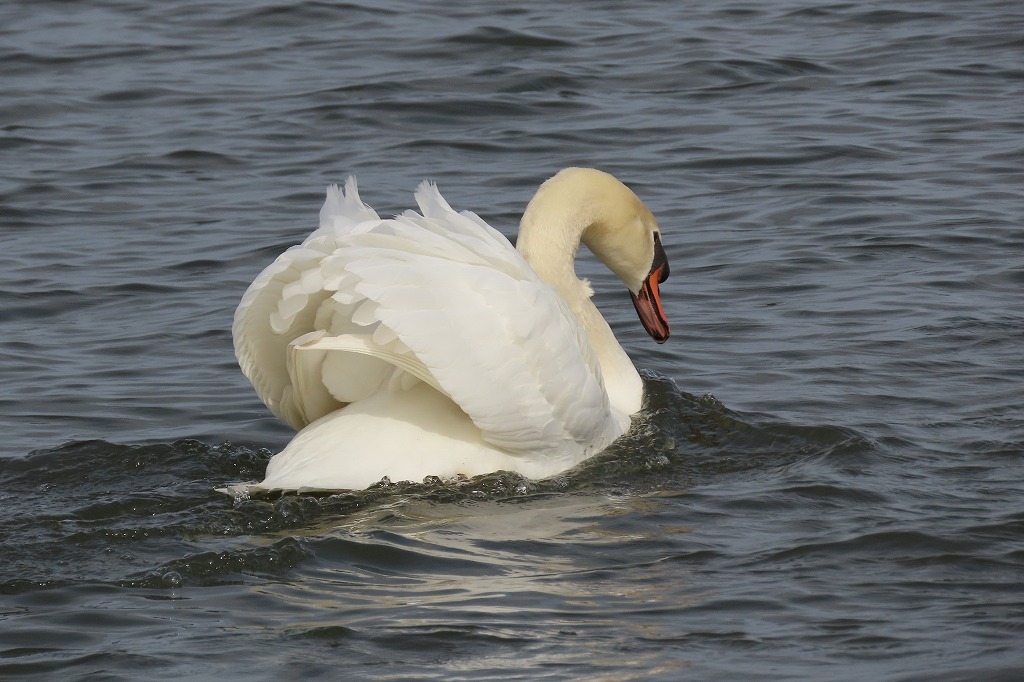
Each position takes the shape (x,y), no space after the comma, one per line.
(596,209)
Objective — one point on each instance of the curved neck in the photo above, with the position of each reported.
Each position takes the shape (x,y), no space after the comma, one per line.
(549,237)
(550,233)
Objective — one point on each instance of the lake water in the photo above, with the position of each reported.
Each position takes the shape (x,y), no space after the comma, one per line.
(826,482)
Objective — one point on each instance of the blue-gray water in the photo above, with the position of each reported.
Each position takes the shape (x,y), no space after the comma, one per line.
(827,481)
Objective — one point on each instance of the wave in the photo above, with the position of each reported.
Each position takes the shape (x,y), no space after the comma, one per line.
(150,515)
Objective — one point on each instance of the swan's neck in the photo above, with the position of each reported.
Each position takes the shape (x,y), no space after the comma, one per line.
(549,237)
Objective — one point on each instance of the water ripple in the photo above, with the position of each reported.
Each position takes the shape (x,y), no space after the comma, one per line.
(824,479)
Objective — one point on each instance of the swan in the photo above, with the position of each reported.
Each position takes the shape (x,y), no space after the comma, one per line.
(427,345)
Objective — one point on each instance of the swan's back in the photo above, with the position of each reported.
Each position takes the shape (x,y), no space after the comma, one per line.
(365,306)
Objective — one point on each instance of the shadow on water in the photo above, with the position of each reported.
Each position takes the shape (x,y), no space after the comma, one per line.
(149,515)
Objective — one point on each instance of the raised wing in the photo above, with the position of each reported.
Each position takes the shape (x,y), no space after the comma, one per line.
(366,304)
(291,288)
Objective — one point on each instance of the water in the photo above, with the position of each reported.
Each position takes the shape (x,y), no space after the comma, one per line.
(826,483)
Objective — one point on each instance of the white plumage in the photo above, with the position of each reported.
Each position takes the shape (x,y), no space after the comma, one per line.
(427,345)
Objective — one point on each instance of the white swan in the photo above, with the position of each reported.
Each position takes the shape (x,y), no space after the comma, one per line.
(428,345)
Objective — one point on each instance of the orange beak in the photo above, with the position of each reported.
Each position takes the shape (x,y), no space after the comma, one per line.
(648,301)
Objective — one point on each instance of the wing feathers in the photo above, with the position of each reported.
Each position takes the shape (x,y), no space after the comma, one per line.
(440,297)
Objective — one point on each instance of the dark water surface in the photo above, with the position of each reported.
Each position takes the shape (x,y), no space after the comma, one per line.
(826,482)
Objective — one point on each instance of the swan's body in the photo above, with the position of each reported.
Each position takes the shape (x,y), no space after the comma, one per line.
(428,345)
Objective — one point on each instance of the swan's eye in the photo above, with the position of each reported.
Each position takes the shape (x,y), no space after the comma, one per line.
(660,259)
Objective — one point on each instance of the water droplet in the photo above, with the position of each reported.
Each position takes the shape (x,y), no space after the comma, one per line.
(171,579)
